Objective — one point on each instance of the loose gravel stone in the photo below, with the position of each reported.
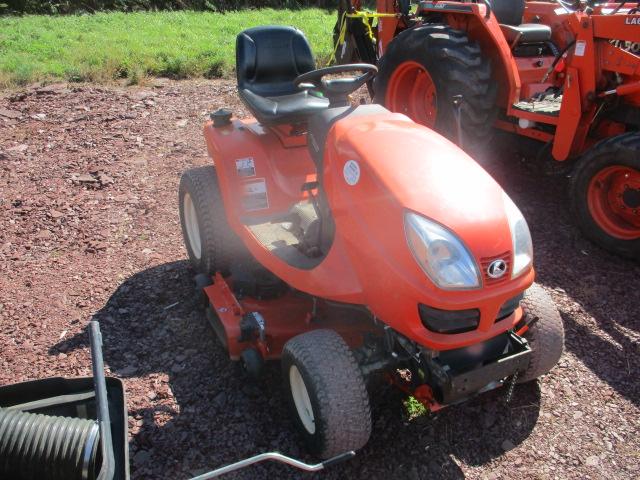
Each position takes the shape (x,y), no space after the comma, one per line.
(129,146)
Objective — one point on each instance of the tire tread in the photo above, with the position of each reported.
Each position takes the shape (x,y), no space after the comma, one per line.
(545,336)
(220,245)
(325,360)
(460,69)
(620,149)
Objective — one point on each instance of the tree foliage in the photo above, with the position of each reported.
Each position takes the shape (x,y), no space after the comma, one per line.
(90,6)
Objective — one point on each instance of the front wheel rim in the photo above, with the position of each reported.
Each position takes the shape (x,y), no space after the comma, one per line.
(412,91)
(191,226)
(613,198)
(301,400)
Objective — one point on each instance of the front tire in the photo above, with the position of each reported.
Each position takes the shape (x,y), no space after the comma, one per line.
(326,392)
(545,333)
(605,194)
(421,72)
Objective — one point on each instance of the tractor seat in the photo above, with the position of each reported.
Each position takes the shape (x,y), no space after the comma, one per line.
(509,13)
(268,60)
(527,33)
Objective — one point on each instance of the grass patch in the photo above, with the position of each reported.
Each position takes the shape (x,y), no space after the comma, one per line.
(107,46)
(413,408)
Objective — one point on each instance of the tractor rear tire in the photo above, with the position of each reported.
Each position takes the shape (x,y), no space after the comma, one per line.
(210,242)
(605,194)
(421,72)
(326,392)
(545,334)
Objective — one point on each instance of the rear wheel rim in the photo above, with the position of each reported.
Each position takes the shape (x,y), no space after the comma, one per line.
(301,400)
(412,91)
(191,226)
(613,198)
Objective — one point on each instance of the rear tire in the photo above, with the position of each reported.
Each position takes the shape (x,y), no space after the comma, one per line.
(424,68)
(605,194)
(545,335)
(326,392)
(210,242)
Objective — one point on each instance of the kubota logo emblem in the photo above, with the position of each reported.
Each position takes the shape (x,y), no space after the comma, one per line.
(497,268)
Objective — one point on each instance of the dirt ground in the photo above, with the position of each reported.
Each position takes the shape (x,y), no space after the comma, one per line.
(89,229)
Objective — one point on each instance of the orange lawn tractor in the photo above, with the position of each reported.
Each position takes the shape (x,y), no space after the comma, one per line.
(565,74)
(319,243)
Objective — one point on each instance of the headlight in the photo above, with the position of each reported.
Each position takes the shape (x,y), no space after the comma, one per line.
(520,237)
(441,254)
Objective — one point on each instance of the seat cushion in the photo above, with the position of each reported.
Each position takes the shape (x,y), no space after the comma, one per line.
(290,108)
(269,58)
(531,32)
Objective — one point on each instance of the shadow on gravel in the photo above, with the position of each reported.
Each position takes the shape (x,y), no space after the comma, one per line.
(615,361)
(434,446)
(604,286)
(192,409)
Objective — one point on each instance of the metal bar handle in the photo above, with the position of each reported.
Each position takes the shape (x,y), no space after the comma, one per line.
(278,457)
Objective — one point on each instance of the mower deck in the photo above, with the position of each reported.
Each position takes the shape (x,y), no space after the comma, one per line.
(266,324)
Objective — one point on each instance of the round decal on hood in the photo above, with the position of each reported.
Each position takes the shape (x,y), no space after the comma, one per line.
(351,172)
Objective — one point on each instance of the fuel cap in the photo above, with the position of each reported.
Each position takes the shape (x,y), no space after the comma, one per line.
(221,117)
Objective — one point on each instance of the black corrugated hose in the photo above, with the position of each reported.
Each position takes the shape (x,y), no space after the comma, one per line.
(35,446)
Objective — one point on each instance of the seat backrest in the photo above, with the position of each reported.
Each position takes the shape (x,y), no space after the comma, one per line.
(269,58)
(508,12)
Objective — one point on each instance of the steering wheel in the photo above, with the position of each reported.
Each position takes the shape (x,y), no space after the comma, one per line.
(337,89)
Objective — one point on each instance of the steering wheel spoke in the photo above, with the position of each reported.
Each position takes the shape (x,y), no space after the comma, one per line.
(337,89)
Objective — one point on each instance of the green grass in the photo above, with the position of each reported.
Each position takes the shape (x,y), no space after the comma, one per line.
(413,408)
(108,46)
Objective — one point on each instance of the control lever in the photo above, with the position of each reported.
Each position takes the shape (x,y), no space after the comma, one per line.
(457,105)
(308,187)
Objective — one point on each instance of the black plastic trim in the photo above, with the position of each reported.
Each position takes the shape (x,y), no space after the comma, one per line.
(449,321)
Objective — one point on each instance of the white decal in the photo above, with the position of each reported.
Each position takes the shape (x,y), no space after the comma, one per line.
(246,167)
(581,46)
(254,195)
(351,172)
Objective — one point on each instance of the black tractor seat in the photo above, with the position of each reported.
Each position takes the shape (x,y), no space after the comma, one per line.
(526,33)
(293,108)
(268,60)
(509,13)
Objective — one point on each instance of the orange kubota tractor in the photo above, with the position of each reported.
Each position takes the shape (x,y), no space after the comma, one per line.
(565,74)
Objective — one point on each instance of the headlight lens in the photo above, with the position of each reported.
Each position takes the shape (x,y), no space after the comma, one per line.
(441,254)
(520,237)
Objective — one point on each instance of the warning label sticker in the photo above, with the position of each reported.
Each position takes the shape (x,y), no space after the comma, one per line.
(246,167)
(254,195)
(581,46)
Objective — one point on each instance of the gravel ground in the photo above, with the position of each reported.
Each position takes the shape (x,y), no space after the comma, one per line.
(89,228)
